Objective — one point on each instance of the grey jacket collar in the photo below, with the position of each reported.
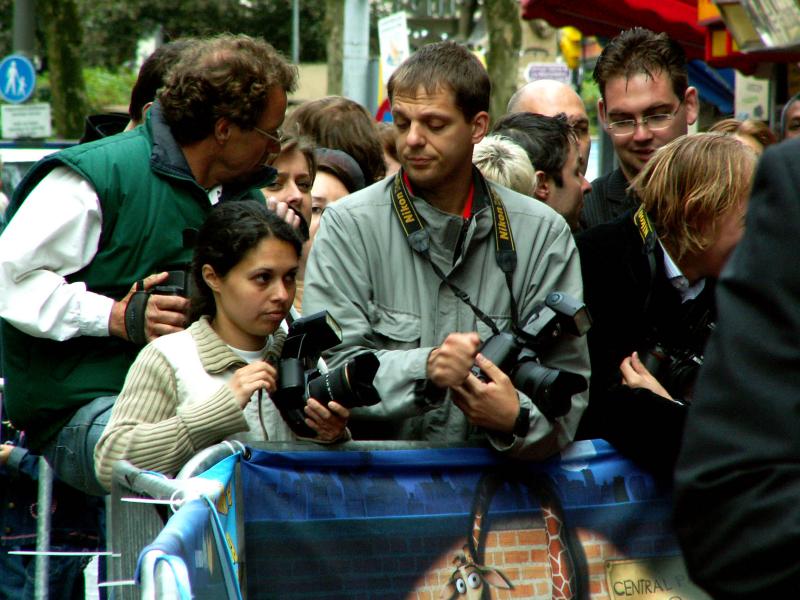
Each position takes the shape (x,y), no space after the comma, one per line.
(446,230)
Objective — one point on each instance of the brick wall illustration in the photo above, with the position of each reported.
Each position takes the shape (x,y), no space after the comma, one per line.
(522,555)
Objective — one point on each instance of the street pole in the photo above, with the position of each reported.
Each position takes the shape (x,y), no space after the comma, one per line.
(355,64)
(24,33)
(296,32)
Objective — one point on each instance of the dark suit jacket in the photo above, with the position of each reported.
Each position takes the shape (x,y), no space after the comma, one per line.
(617,279)
(608,200)
(738,478)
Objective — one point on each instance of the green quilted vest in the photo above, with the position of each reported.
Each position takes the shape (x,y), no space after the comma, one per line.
(146,206)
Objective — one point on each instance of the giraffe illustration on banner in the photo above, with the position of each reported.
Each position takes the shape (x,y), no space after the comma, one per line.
(472,579)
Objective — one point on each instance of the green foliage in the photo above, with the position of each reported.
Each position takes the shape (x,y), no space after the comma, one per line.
(7,33)
(108,89)
(112,28)
(105,90)
(60,21)
(6,16)
(590,93)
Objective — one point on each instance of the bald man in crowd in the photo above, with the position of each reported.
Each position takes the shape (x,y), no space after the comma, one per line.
(549,97)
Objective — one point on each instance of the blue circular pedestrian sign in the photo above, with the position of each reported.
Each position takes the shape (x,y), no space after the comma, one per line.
(17,78)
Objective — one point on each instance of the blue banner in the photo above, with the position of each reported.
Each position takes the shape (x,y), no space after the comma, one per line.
(423,524)
(447,523)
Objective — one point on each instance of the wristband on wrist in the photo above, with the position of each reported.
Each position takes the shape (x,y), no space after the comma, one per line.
(135,319)
(523,423)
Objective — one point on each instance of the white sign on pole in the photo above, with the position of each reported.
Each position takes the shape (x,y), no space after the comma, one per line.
(751,97)
(548,70)
(26,120)
(393,40)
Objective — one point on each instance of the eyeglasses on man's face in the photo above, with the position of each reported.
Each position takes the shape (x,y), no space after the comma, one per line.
(275,136)
(652,122)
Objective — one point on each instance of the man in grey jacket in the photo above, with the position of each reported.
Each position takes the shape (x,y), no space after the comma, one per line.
(407,304)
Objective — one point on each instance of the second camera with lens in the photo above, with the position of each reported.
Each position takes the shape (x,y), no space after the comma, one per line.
(299,377)
(516,353)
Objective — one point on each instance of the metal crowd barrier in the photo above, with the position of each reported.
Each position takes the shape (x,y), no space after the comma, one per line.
(140,504)
(44,501)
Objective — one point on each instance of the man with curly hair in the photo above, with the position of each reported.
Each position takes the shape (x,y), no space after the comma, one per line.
(94,223)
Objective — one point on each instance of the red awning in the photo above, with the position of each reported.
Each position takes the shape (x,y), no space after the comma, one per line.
(607,18)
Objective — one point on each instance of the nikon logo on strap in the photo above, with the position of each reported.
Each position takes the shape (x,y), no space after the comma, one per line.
(504,238)
(644,225)
(406,213)
(648,233)
(502,223)
(404,207)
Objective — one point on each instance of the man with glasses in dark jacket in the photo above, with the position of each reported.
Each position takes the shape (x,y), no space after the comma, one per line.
(645,103)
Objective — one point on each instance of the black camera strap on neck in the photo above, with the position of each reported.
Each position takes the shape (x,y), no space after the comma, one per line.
(649,240)
(420,242)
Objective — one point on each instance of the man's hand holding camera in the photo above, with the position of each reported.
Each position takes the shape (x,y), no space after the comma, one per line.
(493,404)
(163,314)
(328,421)
(450,364)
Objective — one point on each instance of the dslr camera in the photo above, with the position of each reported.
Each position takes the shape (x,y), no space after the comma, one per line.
(178,283)
(516,353)
(676,362)
(299,378)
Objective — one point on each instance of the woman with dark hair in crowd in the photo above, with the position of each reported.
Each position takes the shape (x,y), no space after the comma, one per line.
(341,124)
(338,175)
(297,169)
(191,389)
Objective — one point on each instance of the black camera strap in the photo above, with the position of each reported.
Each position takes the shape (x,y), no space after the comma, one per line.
(649,240)
(420,242)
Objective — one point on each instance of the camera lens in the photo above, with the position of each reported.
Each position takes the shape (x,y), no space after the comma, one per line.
(549,389)
(350,384)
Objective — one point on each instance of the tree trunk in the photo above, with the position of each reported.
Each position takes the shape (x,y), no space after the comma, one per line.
(466,18)
(334,26)
(502,60)
(63,35)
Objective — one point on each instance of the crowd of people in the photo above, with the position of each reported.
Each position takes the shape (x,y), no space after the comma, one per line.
(149,274)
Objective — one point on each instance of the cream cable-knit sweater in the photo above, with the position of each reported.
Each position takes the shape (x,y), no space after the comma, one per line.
(175,403)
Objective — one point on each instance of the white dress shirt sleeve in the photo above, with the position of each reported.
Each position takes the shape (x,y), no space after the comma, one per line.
(55,233)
